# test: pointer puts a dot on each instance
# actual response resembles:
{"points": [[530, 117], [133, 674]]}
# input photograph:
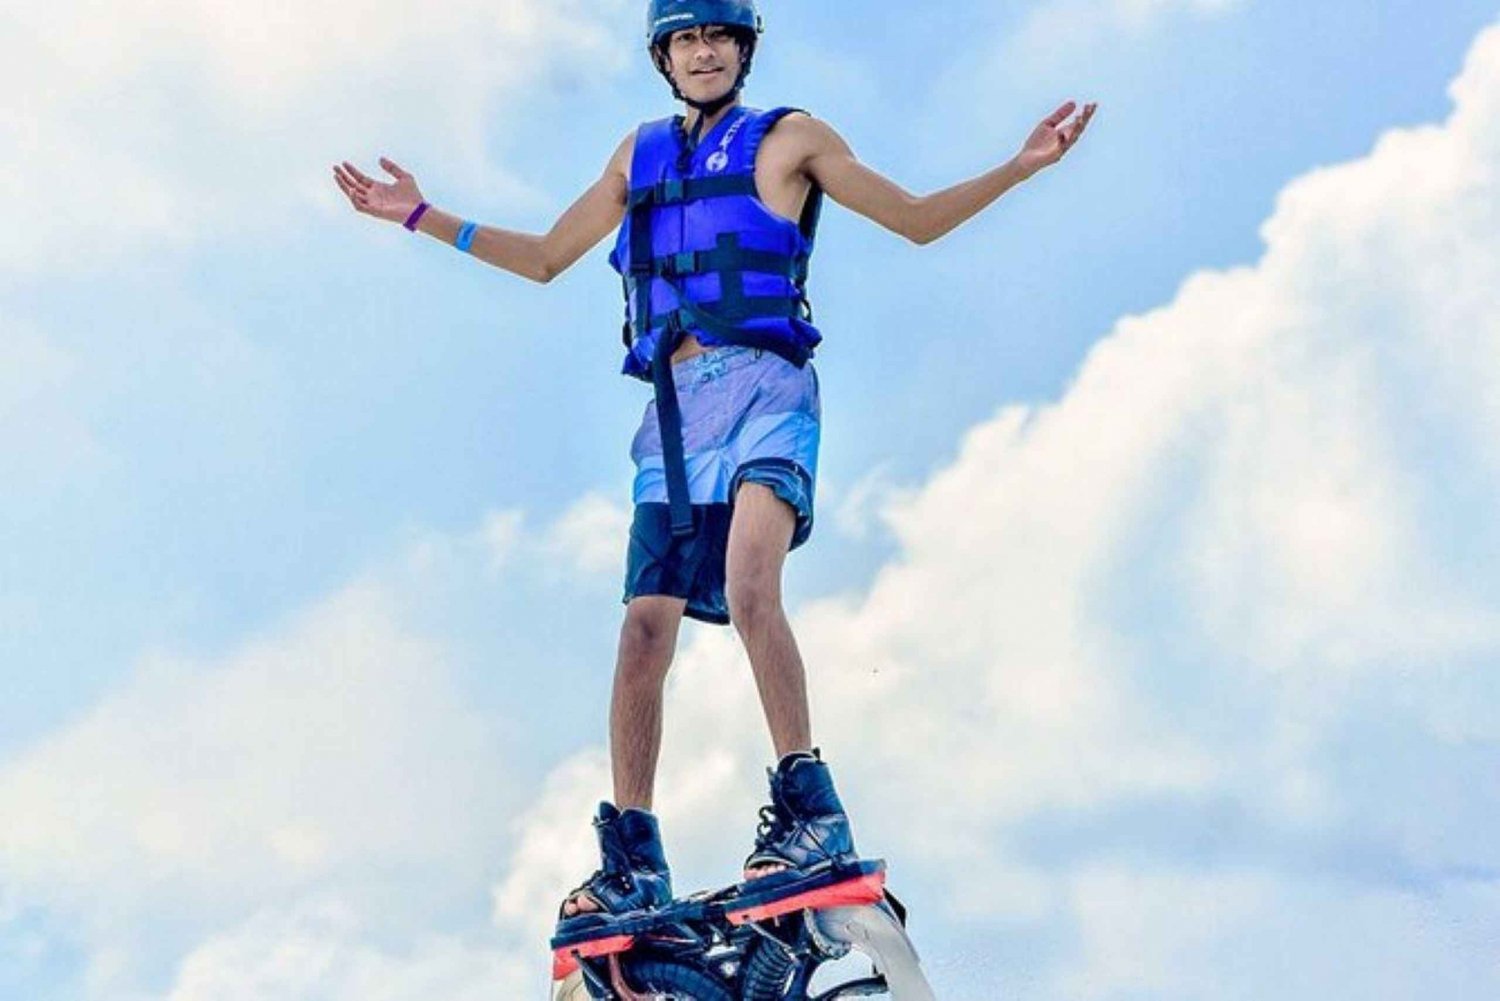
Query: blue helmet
{"points": [[666, 16]]}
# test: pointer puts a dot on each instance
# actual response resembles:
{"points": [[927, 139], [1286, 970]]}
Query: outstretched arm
{"points": [[541, 258], [924, 218]]}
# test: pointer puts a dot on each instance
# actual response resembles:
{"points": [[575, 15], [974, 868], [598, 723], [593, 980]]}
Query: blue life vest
{"points": [[699, 253]]}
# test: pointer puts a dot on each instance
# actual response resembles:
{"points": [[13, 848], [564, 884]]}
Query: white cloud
{"points": [[161, 125], [325, 951], [1220, 570], [590, 536], [1138, 11], [1066, 27], [1246, 935], [554, 846], [501, 532], [584, 542], [856, 510], [335, 753], [45, 439]]}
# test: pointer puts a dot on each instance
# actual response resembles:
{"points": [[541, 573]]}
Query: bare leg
{"points": [[759, 536], [648, 639]]}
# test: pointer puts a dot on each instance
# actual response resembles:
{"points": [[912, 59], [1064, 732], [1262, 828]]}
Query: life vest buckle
{"points": [[680, 264], [670, 190]]}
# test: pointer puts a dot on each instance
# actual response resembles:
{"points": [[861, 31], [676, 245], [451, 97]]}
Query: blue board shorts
{"points": [[748, 415]]}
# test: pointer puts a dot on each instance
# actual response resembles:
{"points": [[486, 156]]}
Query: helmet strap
{"points": [[707, 109]]}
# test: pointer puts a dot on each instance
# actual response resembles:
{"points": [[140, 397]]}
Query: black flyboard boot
{"points": [[634, 877], [804, 828], [805, 825]]}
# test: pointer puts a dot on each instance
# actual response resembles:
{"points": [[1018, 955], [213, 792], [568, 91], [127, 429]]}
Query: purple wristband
{"points": [[416, 214]]}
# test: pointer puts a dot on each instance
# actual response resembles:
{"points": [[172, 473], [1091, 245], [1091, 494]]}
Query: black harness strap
{"points": [[758, 307], [669, 421], [677, 190], [726, 258]]}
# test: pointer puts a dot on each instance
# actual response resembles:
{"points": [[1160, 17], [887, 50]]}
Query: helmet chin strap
{"points": [[707, 108]]}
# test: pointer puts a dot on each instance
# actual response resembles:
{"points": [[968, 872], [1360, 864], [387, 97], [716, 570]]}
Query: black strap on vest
{"points": [[730, 261], [679, 190]]}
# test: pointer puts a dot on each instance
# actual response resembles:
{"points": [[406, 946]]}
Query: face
{"points": [[705, 61]]}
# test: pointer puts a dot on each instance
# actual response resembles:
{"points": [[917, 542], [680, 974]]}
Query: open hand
{"points": [[1051, 139], [394, 201]]}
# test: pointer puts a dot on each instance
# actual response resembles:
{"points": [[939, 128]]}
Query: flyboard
{"points": [[761, 940]]}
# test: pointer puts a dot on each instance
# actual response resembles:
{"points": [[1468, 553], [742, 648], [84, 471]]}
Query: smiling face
{"points": [[704, 62]]}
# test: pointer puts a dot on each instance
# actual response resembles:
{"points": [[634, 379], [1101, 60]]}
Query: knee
{"points": [[646, 646], [753, 601]]}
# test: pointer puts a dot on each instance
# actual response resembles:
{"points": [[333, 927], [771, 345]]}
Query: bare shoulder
{"points": [[801, 136], [619, 163]]}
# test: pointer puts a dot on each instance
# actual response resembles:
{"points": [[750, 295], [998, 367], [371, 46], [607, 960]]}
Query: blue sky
{"points": [[1161, 490]]}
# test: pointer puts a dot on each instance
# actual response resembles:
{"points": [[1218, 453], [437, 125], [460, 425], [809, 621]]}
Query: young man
{"points": [[716, 211]]}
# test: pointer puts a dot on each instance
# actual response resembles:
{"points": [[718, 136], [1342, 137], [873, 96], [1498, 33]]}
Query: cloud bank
{"points": [[106, 139], [1186, 679]]}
